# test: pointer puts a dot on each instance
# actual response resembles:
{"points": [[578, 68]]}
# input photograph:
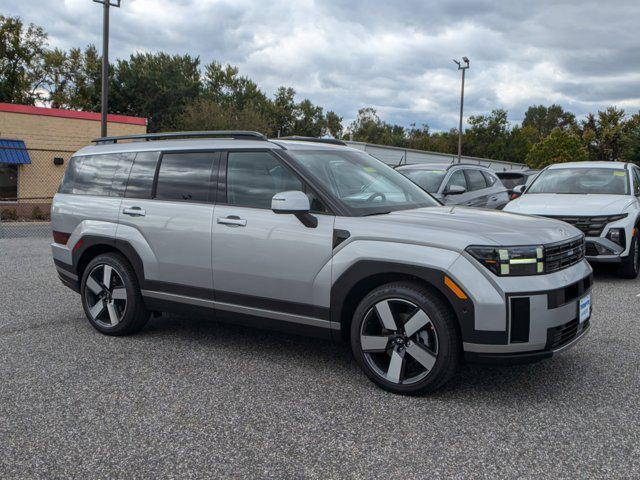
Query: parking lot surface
{"points": [[191, 398]]}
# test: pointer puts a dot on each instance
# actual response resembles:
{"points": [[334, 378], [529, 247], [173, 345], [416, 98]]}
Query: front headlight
{"points": [[510, 261]]}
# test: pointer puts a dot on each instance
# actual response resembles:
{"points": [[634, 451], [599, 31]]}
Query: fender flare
{"points": [[122, 246]]}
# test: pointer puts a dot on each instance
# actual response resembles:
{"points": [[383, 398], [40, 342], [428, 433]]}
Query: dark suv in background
{"points": [[459, 184]]}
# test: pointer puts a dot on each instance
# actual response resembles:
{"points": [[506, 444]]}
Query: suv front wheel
{"points": [[405, 339], [630, 266], [111, 296]]}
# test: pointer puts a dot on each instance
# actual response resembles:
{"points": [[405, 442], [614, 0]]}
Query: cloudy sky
{"points": [[394, 56]]}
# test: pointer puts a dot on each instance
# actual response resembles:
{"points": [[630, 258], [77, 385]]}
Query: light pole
{"points": [[105, 62], [463, 68]]}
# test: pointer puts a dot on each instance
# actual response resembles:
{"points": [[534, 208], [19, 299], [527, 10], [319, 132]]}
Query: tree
{"points": [[22, 50], [206, 114], [602, 134], [333, 124], [544, 119], [283, 111], [487, 136], [521, 140], [558, 147], [309, 120], [367, 127], [158, 86], [630, 141]]}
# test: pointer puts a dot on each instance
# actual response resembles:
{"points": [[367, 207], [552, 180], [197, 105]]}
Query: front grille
{"points": [[590, 226], [559, 256], [559, 336], [591, 250]]}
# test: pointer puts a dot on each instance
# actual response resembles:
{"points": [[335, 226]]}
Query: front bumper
{"points": [[513, 318], [603, 250], [531, 357]]}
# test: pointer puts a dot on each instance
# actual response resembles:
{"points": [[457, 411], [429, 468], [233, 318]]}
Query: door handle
{"points": [[232, 220], [134, 211]]}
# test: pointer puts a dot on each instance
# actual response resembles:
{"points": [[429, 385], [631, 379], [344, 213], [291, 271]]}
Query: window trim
{"points": [[213, 183], [221, 198]]}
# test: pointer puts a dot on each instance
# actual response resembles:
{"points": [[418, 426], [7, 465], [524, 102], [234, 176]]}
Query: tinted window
{"points": [[428, 180], [636, 181], [490, 179], [457, 179], [475, 180], [8, 181], [142, 173], [93, 174], [185, 177], [253, 178]]}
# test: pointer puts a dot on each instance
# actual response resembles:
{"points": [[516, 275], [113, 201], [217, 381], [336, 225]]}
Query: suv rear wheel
{"points": [[111, 296], [631, 264], [405, 338]]}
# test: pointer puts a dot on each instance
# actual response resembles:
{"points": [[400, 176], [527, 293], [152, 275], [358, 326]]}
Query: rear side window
{"points": [[185, 177], [475, 180], [490, 179], [143, 172], [94, 174], [253, 178]]}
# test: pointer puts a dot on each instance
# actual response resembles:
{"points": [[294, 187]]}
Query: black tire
{"points": [[122, 296], [440, 331], [631, 264]]}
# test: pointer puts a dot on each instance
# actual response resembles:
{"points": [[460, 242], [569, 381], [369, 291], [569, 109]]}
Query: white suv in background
{"points": [[599, 198]]}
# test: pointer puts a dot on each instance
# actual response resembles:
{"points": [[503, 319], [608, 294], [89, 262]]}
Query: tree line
{"points": [[176, 92]]}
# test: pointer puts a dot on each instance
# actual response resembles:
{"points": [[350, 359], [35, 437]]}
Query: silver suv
{"points": [[317, 238]]}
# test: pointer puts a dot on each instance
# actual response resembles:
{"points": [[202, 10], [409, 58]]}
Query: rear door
{"points": [[497, 194], [264, 263], [477, 188], [166, 216]]}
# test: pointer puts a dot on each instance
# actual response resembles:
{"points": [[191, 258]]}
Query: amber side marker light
{"points": [[454, 288], [61, 237]]}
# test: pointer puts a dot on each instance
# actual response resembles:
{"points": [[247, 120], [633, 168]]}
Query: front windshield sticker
{"points": [[619, 174]]}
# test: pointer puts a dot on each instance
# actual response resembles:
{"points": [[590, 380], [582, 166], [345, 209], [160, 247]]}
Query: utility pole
{"points": [[463, 68], [105, 62]]}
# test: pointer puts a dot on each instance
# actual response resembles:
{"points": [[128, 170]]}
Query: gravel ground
{"points": [[190, 398]]}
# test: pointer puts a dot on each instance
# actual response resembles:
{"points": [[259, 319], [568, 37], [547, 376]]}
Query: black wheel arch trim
{"points": [[361, 270], [125, 248]]}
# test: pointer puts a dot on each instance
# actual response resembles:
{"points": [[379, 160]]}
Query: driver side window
{"points": [[458, 179]]}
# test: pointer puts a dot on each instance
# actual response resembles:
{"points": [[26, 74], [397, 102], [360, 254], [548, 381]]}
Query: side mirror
{"points": [[455, 190], [519, 189], [294, 202]]}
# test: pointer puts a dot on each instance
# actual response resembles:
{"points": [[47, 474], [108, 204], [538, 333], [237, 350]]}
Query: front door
{"points": [[268, 264]]}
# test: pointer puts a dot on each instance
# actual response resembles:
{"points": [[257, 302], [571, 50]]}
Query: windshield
{"points": [[582, 181], [365, 185], [428, 180]]}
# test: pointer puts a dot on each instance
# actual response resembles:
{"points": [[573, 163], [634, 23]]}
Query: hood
{"points": [[567, 204], [458, 227]]}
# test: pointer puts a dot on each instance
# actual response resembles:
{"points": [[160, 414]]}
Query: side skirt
{"points": [[239, 314]]}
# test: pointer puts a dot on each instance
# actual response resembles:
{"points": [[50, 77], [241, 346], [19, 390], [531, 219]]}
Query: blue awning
{"points": [[14, 151]]}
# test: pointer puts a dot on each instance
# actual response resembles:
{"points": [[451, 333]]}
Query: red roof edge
{"points": [[78, 115]]}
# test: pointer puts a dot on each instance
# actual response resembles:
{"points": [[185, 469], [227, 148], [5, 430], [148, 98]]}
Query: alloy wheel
{"points": [[399, 341], [105, 295]]}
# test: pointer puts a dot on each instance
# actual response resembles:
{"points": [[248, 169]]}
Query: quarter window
{"points": [[475, 179], [93, 174], [253, 178], [185, 177], [8, 182]]}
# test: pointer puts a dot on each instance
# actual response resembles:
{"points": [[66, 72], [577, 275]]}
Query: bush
{"points": [[38, 214], [8, 214], [558, 147]]}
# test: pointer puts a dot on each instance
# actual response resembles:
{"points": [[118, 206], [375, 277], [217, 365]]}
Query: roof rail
{"points": [[332, 141], [238, 134]]}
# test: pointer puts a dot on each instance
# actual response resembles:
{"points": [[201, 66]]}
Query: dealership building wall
{"points": [[47, 134]]}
